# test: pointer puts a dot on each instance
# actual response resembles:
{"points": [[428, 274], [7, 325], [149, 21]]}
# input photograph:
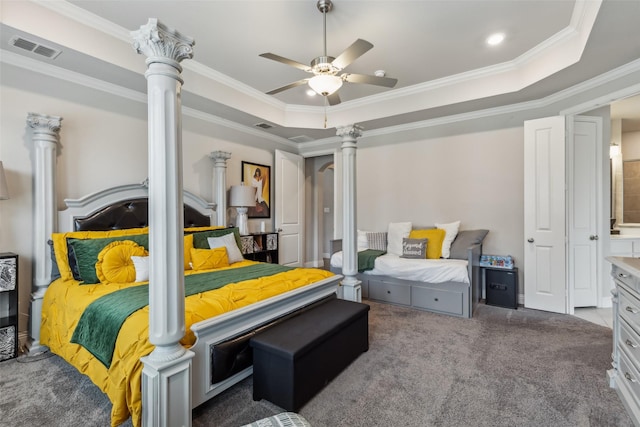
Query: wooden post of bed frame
{"points": [[220, 185], [45, 143], [351, 289], [166, 375]]}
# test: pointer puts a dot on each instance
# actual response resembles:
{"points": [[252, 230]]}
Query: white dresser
{"points": [[625, 374]]}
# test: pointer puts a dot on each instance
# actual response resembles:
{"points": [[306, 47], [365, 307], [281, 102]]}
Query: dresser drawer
{"points": [[390, 292], [437, 300], [629, 309], [625, 278], [629, 377], [629, 340]]}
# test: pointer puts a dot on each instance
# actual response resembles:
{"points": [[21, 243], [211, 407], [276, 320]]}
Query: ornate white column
{"points": [[220, 184], [45, 142], [352, 290], [166, 376]]}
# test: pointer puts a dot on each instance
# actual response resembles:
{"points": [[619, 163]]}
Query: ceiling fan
{"points": [[326, 69]]}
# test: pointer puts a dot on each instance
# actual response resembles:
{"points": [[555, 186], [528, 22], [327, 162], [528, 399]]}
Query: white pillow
{"points": [[451, 231], [229, 242], [363, 242], [141, 264], [396, 232]]}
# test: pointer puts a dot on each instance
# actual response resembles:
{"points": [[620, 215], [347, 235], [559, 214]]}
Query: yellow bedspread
{"points": [[65, 301]]}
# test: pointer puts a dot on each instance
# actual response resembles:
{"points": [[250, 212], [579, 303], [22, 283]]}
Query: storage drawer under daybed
{"points": [[451, 298]]}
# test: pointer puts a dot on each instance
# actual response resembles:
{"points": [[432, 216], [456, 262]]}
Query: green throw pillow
{"points": [[200, 238]]}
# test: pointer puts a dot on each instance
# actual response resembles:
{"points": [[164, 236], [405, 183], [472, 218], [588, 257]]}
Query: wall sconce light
{"points": [[4, 190], [241, 197]]}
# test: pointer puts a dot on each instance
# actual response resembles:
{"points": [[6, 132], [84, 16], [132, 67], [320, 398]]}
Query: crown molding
{"points": [[565, 47], [583, 87], [50, 70]]}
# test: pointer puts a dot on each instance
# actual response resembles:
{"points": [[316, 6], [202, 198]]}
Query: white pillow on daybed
{"points": [[362, 242], [396, 232], [451, 231]]}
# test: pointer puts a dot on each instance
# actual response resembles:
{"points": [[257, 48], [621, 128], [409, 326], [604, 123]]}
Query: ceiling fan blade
{"points": [[372, 80], [286, 61], [334, 99], [289, 86], [350, 54]]}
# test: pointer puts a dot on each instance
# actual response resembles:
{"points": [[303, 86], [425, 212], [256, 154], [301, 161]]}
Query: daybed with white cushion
{"points": [[450, 285]]}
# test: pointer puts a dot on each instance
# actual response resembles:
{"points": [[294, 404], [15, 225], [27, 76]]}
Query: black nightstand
{"points": [[501, 286], [260, 247], [8, 306]]}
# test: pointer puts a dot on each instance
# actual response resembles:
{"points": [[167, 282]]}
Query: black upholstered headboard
{"points": [[131, 213]]}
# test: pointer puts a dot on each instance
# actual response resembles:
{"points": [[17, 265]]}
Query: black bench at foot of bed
{"points": [[295, 359]]}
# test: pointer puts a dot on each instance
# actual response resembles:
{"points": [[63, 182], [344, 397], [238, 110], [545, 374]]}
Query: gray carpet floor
{"points": [[502, 368]]}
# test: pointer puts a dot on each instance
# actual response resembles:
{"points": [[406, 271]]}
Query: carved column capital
{"points": [[220, 156], [350, 132], [43, 122], [156, 41]]}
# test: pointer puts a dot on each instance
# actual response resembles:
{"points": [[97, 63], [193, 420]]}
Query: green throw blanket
{"points": [[367, 259], [100, 323]]}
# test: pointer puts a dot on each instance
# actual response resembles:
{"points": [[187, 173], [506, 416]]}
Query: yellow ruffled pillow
{"points": [[207, 259], [434, 236], [114, 262]]}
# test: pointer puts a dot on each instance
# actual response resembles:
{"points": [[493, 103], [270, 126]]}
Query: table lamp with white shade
{"points": [[242, 197]]}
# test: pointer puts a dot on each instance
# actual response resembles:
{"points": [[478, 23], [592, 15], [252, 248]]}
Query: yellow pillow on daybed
{"points": [[115, 264], [434, 236], [207, 259]]}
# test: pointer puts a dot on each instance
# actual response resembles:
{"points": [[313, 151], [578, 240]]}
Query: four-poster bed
{"points": [[125, 205], [175, 376]]}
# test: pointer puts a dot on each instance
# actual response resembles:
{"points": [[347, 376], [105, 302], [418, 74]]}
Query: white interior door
{"points": [[544, 215], [289, 213], [584, 182]]}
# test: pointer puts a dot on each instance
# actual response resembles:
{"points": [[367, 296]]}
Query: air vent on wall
{"points": [[264, 125], [34, 47]]}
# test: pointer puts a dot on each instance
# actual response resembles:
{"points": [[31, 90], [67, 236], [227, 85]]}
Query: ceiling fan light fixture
{"points": [[325, 84]]}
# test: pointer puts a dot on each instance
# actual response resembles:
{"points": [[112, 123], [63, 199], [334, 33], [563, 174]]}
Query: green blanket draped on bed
{"points": [[100, 323], [367, 259]]}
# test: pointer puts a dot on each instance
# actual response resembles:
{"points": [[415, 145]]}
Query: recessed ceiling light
{"points": [[311, 92], [495, 39]]}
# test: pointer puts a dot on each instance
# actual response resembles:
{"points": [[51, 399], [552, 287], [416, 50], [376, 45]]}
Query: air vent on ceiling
{"points": [[301, 138], [34, 47], [264, 125]]}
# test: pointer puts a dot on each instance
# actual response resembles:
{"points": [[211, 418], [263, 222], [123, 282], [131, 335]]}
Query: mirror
{"points": [[625, 162]]}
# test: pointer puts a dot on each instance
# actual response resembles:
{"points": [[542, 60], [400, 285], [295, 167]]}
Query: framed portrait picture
{"points": [[258, 176]]}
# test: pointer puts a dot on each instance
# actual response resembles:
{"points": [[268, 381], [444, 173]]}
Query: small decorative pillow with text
{"points": [[208, 259], [114, 262], [414, 248]]}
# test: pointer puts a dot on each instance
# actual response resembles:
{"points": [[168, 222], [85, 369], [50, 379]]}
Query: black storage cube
{"points": [[501, 287], [295, 359]]}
